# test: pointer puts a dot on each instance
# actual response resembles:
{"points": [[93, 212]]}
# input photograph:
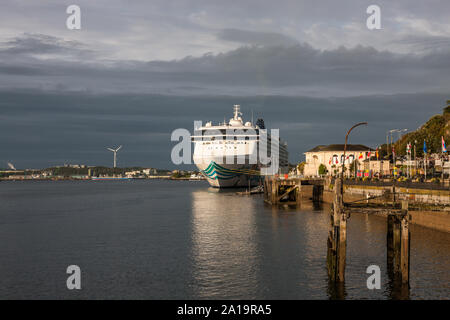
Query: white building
{"points": [[332, 157], [382, 167], [130, 174]]}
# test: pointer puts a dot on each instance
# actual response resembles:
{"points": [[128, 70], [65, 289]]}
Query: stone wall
{"points": [[433, 197], [437, 219]]}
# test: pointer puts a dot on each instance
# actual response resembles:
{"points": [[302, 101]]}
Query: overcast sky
{"points": [[243, 49]]}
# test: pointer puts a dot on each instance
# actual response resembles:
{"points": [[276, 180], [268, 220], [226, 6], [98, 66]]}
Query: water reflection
{"points": [[243, 248], [223, 244], [179, 240], [397, 290], [336, 290]]}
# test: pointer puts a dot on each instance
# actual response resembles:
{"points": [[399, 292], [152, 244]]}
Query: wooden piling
{"points": [[405, 241], [397, 246], [275, 186], [298, 194], [342, 252], [337, 238], [317, 195], [390, 242], [398, 243], [404, 254], [282, 191]]}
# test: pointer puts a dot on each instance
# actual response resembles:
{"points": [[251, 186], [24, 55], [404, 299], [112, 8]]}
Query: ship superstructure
{"points": [[237, 153]]}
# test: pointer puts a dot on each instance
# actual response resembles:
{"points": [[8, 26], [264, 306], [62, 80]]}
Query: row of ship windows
{"points": [[238, 142], [224, 131], [234, 138], [209, 148]]}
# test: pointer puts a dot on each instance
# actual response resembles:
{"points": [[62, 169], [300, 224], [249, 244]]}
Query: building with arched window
{"points": [[332, 157]]}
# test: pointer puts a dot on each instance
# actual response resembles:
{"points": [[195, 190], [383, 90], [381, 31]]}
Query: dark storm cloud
{"points": [[138, 70], [30, 44], [293, 70], [42, 129]]}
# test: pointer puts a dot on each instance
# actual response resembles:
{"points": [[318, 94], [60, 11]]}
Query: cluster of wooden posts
{"points": [[286, 191], [398, 237], [289, 191]]}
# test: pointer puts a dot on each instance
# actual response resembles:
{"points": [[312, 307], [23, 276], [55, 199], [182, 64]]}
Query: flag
{"points": [[444, 148], [360, 156], [376, 152], [368, 155], [393, 151], [424, 147], [329, 162]]}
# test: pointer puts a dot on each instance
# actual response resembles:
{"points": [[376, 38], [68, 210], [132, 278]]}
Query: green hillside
{"points": [[432, 131]]}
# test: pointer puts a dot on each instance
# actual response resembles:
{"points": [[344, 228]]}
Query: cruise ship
{"points": [[238, 153]]}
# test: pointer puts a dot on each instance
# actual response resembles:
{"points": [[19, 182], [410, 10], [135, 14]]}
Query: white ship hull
{"points": [[229, 175]]}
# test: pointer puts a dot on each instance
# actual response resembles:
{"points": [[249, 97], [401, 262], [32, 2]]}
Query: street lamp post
{"points": [[399, 131], [389, 134], [387, 143], [399, 137], [415, 159], [345, 145]]}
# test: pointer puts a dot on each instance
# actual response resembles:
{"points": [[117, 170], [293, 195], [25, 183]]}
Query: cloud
{"points": [[425, 44], [136, 71], [39, 44], [50, 63], [43, 129], [256, 38], [160, 30]]}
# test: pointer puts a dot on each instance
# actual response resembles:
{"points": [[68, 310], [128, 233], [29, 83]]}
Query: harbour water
{"points": [[146, 239]]}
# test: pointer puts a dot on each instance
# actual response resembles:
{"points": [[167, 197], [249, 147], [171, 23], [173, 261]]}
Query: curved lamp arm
{"points": [[345, 145]]}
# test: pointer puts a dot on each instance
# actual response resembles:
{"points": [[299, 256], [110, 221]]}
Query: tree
{"points": [[301, 167], [354, 167], [447, 110], [322, 170], [430, 132]]}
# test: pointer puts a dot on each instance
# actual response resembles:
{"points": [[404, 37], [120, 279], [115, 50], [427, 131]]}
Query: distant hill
{"points": [[432, 131]]}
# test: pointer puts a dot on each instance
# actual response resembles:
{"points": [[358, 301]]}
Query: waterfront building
{"points": [[332, 157], [132, 173], [147, 171], [377, 167]]}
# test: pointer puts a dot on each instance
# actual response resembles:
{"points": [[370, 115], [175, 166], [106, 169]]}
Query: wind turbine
{"points": [[115, 153], [11, 166]]}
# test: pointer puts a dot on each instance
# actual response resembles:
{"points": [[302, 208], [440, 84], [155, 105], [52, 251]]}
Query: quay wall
{"points": [[424, 196], [437, 220], [433, 205]]}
